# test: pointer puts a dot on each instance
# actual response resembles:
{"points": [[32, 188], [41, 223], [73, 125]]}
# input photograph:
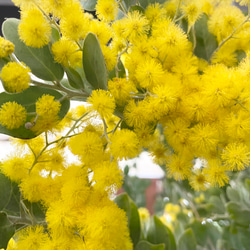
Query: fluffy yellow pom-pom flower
{"points": [[236, 156], [48, 107], [108, 230], [102, 102], [15, 77], [12, 115], [107, 10], [34, 29], [6, 47], [66, 52], [124, 143]]}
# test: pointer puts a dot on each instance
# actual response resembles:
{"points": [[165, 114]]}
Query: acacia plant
{"points": [[140, 67]]}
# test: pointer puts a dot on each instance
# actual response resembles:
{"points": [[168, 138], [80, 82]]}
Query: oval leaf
{"points": [[74, 78], [94, 63], [145, 245], [6, 230], [233, 194], [187, 240], [28, 99], [39, 60], [5, 191], [124, 202], [206, 42], [89, 5], [159, 233]]}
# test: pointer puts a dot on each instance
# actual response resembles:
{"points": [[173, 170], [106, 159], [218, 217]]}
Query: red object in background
{"points": [[151, 192]]}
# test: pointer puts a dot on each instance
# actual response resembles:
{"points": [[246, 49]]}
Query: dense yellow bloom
{"points": [[136, 114], [204, 138], [67, 53], [237, 126], [226, 55], [87, 145], [108, 177], [120, 88], [31, 238], [154, 13], [34, 29], [170, 38], [102, 31], [149, 73], [170, 8], [224, 20], [25, 4], [60, 218], [47, 107], [33, 187], [15, 77], [159, 152], [16, 167], [179, 167], [108, 230], [107, 10], [124, 143], [219, 87], [236, 156], [192, 11], [177, 133], [12, 115], [74, 25], [58, 7], [137, 25], [6, 47], [75, 192], [102, 102], [215, 173], [198, 181]]}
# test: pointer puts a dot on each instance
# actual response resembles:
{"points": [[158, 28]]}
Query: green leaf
{"points": [[74, 78], [187, 240], [39, 60], [233, 194], [6, 230], [89, 5], [145, 245], [121, 71], [94, 63], [5, 191], [124, 202], [159, 233], [36, 209], [145, 3], [205, 41], [28, 99], [241, 54], [55, 34], [13, 206], [3, 61], [137, 8], [239, 214], [217, 205], [205, 232]]}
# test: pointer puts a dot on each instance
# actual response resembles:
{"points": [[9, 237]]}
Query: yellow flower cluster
{"points": [[169, 101]]}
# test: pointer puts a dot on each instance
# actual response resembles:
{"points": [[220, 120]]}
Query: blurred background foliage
{"points": [[217, 218]]}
